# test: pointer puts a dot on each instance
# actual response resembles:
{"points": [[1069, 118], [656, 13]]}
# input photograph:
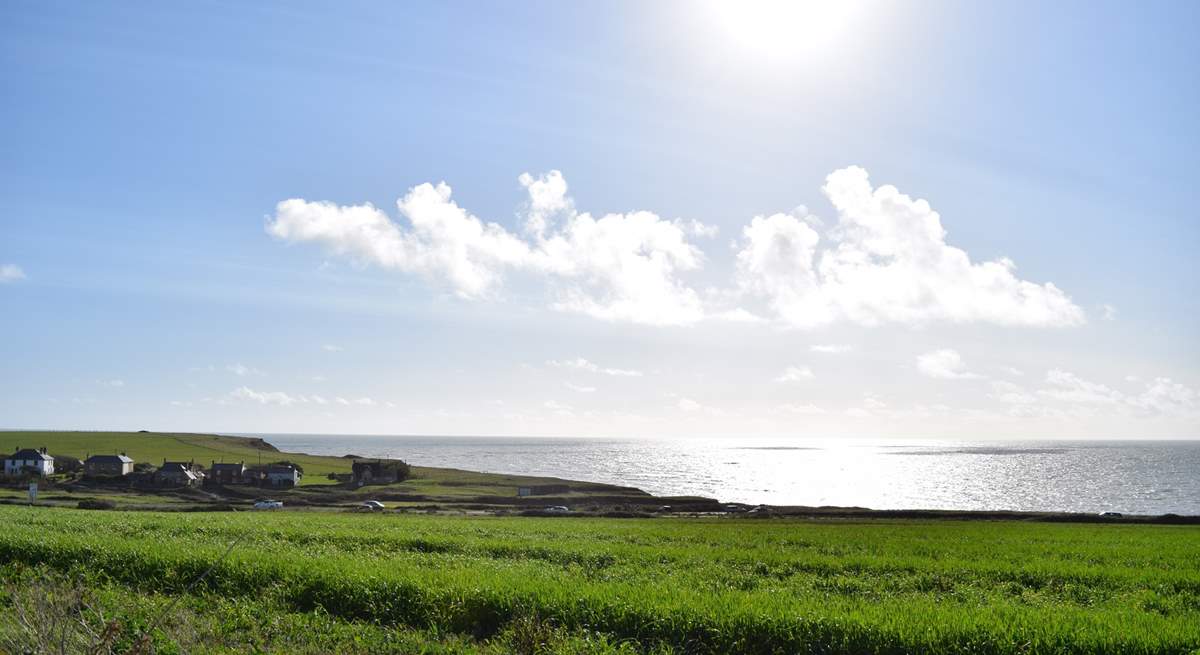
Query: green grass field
{"points": [[458, 584]]}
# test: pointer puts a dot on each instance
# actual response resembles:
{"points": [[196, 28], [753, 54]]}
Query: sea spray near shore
{"points": [[1155, 477]]}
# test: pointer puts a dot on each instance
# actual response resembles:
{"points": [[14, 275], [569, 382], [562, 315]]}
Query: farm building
{"points": [[283, 475], [222, 473], [107, 466], [378, 472], [28, 460], [183, 474]]}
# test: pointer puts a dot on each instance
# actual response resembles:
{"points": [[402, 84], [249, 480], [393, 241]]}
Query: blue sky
{"points": [[150, 277]]}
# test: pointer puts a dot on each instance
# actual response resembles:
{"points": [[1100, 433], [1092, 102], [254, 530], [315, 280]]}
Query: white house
{"points": [[28, 460], [283, 475]]}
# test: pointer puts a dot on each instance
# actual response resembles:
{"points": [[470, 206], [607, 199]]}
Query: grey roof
{"points": [[30, 453], [109, 459], [178, 467], [219, 466]]}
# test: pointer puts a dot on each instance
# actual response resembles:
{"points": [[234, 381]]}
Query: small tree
{"points": [[403, 470]]}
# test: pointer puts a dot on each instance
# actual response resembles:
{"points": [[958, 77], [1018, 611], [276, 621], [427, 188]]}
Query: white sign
{"points": [[32, 491]]}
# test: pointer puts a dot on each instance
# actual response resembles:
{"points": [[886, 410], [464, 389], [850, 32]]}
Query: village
{"points": [[30, 464], [204, 472]]}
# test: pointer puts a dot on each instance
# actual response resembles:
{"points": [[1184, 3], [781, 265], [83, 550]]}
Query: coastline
{"points": [[441, 489]]}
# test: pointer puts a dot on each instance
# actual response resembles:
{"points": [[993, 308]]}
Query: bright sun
{"points": [[786, 29]]}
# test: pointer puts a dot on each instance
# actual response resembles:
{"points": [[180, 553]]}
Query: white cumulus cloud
{"points": [[621, 267], [944, 364], [886, 261]]}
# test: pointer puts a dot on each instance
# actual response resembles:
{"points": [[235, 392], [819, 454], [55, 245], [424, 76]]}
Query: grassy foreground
{"points": [[458, 584]]}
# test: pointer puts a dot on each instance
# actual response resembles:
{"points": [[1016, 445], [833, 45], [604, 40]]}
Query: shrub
{"points": [[67, 464], [96, 503]]}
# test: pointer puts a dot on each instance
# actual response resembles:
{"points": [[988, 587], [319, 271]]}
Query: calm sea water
{"points": [[1080, 476]]}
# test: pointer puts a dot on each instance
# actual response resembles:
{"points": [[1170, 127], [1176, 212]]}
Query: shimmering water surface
{"points": [[1086, 476]]}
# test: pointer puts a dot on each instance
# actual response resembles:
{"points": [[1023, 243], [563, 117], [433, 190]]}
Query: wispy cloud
{"points": [[802, 410], [582, 364], [795, 374], [831, 348], [11, 273], [331, 348], [265, 397], [242, 370], [944, 364], [581, 388]]}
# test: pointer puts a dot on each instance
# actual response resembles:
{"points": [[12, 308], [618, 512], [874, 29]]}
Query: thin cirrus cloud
{"points": [[886, 260]]}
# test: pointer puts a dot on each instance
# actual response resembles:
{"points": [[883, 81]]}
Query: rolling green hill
{"points": [[154, 447]]}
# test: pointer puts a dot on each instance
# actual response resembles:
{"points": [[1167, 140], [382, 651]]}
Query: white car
{"points": [[373, 505], [268, 504], [558, 509]]}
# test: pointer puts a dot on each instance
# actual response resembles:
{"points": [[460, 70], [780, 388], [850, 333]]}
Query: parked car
{"points": [[268, 504], [372, 505], [1112, 515], [558, 509]]}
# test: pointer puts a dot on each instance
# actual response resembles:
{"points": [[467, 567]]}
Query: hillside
{"points": [[426, 487]]}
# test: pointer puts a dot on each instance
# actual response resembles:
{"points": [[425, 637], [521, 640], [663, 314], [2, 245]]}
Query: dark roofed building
{"points": [[379, 471], [105, 466], [29, 460], [222, 473], [183, 474]]}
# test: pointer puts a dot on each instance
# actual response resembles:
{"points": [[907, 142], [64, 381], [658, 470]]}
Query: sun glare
{"points": [[783, 30]]}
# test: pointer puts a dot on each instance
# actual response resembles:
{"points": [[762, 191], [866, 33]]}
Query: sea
{"points": [[1136, 477]]}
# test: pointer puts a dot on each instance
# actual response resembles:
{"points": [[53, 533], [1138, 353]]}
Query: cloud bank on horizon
{"points": [[885, 260]]}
